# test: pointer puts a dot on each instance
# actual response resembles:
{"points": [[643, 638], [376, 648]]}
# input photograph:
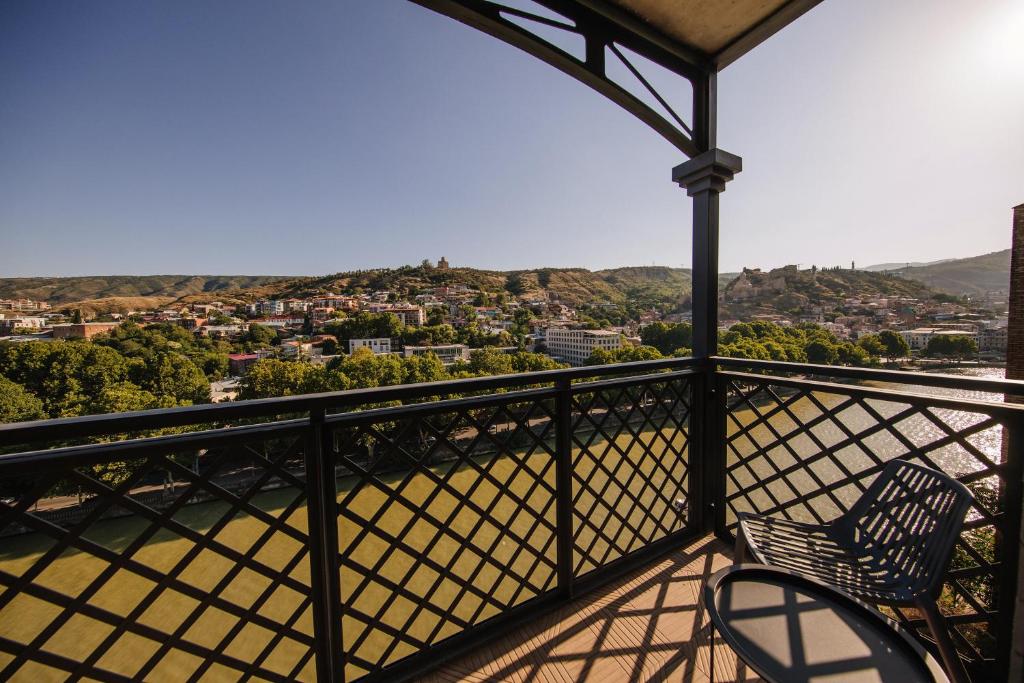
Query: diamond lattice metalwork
{"points": [[164, 565], [807, 454], [446, 518], [630, 465]]}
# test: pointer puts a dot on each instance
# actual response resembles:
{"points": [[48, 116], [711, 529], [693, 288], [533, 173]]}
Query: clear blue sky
{"points": [[306, 138]]}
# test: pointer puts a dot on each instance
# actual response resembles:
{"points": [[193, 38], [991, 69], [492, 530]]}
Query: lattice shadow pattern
{"points": [[630, 446], [446, 518], [167, 565], [807, 455]]}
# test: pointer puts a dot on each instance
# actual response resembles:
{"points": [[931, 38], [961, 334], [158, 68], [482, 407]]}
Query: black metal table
{"points": [[791, 628]]}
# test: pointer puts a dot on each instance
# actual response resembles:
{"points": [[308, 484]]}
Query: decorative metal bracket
{"points": [[599, 32]]}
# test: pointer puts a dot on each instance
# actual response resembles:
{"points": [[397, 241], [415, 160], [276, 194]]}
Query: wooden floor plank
{"points": [[648, 626]]}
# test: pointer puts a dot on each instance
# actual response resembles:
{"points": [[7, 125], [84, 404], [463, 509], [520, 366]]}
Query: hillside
{"points": [[640, 286], [967, 276], [791, 291], [60, 291], [573, 286]]}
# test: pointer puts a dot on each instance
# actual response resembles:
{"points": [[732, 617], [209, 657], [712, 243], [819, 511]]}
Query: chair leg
{"points": [[740, 554], [951, 660]]}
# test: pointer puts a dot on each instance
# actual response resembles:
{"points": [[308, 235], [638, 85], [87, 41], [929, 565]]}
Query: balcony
{"points": [[540, 526]]}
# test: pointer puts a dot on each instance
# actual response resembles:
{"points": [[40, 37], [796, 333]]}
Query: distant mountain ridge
{"points": [[62, 290], [640, 286], [973, 276]]}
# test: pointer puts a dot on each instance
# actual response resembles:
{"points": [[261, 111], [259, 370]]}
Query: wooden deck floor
{"points": [[648, 626]]}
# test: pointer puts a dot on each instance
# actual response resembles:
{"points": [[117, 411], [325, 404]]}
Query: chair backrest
{"points": [[908, 522]]}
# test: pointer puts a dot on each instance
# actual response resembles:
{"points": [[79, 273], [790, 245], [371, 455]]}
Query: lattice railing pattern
{"points": [[629, 466], [446, 518], [163, 565], [807, 455]]}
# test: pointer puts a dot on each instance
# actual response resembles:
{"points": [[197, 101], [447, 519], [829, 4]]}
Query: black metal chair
{"points": [[891, 548]]}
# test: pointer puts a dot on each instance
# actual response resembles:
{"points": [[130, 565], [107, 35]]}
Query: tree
{"points": [[259, 336], [176, 376], [364, 325], [821, 352], [951, 346], [436, 316], [17, 404], [623, 354], [270, 377], [872, 345], [667, 338], [490, 361], [895, 345]]}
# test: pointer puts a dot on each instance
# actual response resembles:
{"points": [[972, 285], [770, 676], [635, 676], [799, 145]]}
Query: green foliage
{"points": [[270, 377], [79, 377], [624, 354], [895, 345], [951, 346], [259, 336], [804, 343], [17, 404], [147, 343], [364, 325], [872, 345], [430, 335], [667, 338]]}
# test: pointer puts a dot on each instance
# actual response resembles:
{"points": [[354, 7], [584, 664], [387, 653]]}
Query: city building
{"points": [[81, 330], [918, 338], [9, 325], [412, 316], [23, 305], [239, 363], [575, 346], [993, 339], [378, 346], [448, 353]]}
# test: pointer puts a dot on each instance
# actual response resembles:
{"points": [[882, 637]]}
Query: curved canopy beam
{"points": [[598, 34]]}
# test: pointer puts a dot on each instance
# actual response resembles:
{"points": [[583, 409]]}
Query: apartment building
{"points": [[378, 346], [412, 316], [918, 338], [575, 346]]}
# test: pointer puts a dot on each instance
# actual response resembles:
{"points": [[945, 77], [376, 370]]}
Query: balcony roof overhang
{"points": [[715, 33], [694, 39]]}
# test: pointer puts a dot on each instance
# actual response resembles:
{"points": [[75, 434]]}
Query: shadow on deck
{"points": [[647, 626]]}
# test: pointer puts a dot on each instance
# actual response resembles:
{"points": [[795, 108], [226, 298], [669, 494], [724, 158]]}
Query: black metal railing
{"points": [[369, 534], [356, 535], [807, 446]]}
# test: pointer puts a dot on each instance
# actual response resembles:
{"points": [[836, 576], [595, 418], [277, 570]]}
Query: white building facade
{"points": [[378, 346], [575, 346]]}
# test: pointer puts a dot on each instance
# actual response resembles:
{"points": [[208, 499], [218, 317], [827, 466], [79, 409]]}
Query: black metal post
{"points": [[563, 486], [704, 178], [325, 583]]}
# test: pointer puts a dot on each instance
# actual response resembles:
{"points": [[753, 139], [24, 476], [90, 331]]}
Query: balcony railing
{"points": [[370, 534]]}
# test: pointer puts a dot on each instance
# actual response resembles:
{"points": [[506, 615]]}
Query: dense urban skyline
{"points": [[190, 138]]}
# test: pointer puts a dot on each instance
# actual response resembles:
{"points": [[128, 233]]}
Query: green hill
{"points": [[967, 276], [59, 291]]}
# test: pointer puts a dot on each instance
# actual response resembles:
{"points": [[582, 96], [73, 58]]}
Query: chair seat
{"points": [[818, 551]]}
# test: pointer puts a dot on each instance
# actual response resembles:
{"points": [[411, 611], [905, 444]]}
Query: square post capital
{"points": [[708, 171]]}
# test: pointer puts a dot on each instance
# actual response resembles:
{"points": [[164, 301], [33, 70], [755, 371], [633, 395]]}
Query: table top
{"points": [[792, 628]]}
